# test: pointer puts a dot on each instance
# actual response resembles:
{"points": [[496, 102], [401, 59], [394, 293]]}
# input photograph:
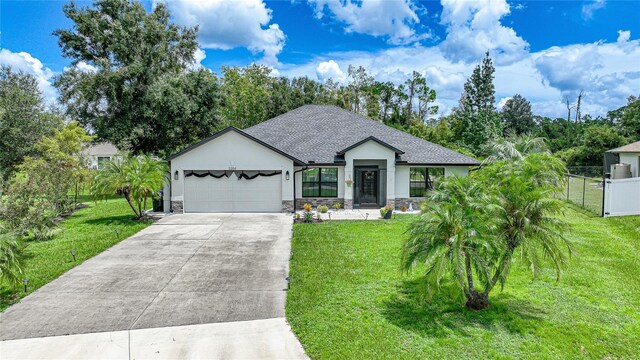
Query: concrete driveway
{"points": [[184, 271]]}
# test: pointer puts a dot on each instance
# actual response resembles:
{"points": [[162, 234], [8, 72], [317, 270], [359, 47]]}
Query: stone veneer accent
{"points": [[287, 206], [405, 202], [348, 204], [391, 202], [318, 201], [177, 207]]}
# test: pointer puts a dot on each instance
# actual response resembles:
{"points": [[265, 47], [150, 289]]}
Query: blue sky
{"points": [[543, 50]]}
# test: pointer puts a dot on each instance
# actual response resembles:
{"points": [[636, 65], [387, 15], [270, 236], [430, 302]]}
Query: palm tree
{"points": [[10, 258], [528, 219], [136, 178], [452, 237], [474, 227], [516, 147]]}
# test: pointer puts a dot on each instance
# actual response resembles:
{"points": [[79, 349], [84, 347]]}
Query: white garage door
{"points": [[230, 194]]}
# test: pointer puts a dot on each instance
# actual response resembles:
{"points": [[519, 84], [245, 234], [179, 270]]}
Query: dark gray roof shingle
{"points": [[317, 132]]}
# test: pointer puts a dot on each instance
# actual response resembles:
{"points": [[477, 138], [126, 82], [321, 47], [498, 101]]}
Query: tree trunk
{"points": [[477, 301], [128, 197]]}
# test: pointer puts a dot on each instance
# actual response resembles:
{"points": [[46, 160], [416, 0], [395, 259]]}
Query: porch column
{"points": [[391, 183], [348, 189]]}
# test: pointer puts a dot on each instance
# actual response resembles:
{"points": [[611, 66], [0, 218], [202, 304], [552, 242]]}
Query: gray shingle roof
{"points": [[315, 133]]}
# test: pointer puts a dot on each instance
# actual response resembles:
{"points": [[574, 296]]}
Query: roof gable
{"points": [[370, 138], [238, 131]]}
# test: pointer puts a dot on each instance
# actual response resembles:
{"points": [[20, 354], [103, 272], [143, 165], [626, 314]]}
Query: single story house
{"points": [[629, 154], [99, 153], [317, 154]]}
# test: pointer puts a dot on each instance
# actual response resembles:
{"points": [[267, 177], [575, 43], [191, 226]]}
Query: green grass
{"points": [[586, 193], [349, 300], [90, 231]]}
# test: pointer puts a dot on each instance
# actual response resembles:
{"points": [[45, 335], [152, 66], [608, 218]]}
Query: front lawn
{"points": [[349, 300], [89, 231]]}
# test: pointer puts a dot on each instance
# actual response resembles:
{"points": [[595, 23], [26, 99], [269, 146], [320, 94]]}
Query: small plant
{"points": [[386, 211], [336, 206], [308, 216], [403, 208], [323, 209], [307, 207], [297, 216]]}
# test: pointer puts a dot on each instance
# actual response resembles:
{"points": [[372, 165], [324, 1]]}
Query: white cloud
{"points": [[27, 63], [503, 102], [198, 56], [624, 35], [589, 8], [392, 19], [330, 70], [82, 66], [473, 27], [607, 72], [228, 24]]}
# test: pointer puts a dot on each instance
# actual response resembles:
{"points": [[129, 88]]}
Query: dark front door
{"points": [[367, 187]]}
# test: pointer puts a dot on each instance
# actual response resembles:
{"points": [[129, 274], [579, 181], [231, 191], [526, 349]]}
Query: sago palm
{"points": [[452, 237], [528, 215], [10, 258], [516, 147], [136, 178]]}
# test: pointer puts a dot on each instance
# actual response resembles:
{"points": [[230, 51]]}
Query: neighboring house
{"points": [[99, 153], [629, 154], [322, 154], [622, 190]]}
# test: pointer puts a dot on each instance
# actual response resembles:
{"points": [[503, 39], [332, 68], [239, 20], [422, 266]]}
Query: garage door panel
{"points": [[208, 194]]}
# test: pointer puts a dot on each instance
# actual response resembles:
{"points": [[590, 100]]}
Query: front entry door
{"points": [[367, 187]]}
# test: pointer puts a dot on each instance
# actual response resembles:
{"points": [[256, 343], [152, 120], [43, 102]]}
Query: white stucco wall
{"points": [[371, 150], [403, 172], [634, 160], [230, 150]]}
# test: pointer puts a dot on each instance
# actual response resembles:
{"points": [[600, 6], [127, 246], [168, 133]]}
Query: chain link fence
{"points": [[586, 192]]}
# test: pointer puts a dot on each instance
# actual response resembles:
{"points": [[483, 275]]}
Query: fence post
{"points": [[584, 189]]}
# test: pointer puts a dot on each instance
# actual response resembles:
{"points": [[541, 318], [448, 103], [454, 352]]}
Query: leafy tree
{"points": [[246, 95], [628, 118], [23, 118], [517, 116], [136, 178], [480, 123], [58, 165], [140, 68], [596, 140]]}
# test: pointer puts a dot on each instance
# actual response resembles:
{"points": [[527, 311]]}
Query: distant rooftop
{"points": [[629, 148], [103, 148]]}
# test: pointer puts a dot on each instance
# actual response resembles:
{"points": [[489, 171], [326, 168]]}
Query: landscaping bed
{"points": [[89, 231], [349, 300]]}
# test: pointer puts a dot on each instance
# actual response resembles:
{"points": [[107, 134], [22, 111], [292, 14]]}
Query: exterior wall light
{"points": [[176, 175], [287, 175]]}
